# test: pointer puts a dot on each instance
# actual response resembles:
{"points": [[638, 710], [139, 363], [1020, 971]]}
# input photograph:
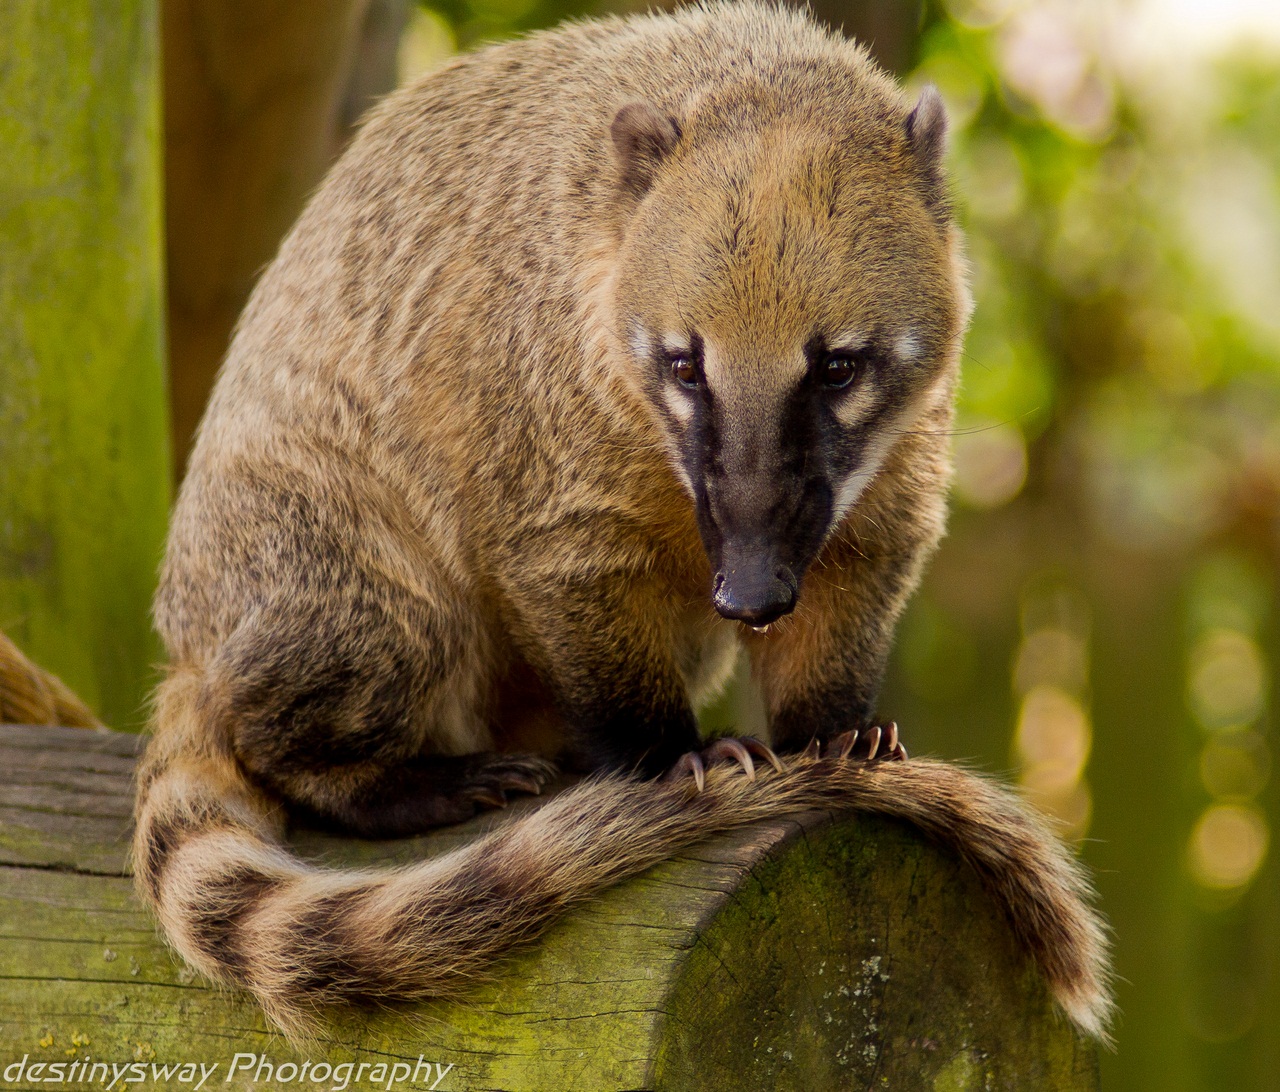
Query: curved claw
{"points": [[876, 743], [891, 748], [870, 744], [734, 749], [522, 783], [690, 763], [490, 796], [812, 751], [841, 746], [763, 750]]}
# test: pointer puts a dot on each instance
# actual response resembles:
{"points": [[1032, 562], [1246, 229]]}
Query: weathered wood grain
{"points": [[805, 955]]}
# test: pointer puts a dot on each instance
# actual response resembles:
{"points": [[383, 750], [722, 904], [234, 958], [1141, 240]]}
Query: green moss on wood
{"points": [[805, 954], [862, 957]]}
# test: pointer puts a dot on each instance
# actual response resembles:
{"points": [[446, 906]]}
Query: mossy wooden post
{"points": [[84, 465], [806, 955]]}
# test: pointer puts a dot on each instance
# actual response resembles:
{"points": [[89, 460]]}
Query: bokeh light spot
{"points": [[1228, 846], [1053, 739], [991, 465], [1227, 679]]}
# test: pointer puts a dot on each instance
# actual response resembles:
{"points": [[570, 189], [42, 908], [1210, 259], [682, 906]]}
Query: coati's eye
{"points": [[684, 366], [838, 370]]}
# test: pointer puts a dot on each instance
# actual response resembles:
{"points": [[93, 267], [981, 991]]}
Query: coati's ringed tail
{"points": [[241, 909]]}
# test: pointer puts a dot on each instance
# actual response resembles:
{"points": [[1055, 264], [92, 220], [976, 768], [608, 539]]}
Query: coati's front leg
{"points": [[604, 647], [821, 668]]}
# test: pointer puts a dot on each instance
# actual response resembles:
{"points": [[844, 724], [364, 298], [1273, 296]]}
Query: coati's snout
{"points": [[761, 498], [758, 449], [752, 588]]}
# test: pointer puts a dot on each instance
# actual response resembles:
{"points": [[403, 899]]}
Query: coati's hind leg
{"points": [[344, 712], [354, 683]]}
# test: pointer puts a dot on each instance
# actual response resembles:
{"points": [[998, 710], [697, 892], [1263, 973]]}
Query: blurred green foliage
{"points": [[1119, 445], [477, 21], [1101, 622]]}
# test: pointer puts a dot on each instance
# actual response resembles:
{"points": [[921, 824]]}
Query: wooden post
{"points": [[805, 955], [84, 465]]}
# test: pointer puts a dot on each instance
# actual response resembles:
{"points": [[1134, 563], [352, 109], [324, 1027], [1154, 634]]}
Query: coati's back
{"points": [[592, 348], [444, 287]]}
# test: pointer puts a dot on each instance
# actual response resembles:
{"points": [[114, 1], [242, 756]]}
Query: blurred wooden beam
{"points": [[84, 467], [260, 97]]}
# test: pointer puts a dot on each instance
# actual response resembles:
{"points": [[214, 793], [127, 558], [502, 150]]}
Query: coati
{"points": [[599, 355]]}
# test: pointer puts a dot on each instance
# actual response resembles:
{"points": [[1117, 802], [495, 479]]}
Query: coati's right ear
{"points": [[926, 129], [643, 137]]}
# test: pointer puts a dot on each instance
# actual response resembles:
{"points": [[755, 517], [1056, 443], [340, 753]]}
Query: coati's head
{"points": [[789, 298]]}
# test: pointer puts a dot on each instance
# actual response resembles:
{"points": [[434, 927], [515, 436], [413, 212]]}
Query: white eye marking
{"points": [[879, 447], [848, 341], [676, 345], [640, 342], [858, 403], [678, 402], [908, 347]]}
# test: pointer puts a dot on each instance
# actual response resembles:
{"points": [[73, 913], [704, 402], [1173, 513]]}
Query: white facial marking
{"points": [[680, 406], [713, 369], [678, 402], [879, 447], [907, 347], [640, 343], [857, 404], [852, 487], [849, 340], [675, 344], [682, 475], [678, 398]]}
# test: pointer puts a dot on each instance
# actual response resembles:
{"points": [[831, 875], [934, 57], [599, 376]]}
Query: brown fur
{"points": [[437, 514]]}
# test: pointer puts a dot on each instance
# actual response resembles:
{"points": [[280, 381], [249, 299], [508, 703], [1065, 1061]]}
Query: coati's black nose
{"points": [[754, 594]]}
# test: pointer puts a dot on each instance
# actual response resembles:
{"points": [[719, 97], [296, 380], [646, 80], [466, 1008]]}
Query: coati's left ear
{"points": [[926, 128], [643, 137]]}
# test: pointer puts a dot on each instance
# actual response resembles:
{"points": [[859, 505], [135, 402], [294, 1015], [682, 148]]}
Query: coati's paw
{"points": [[492, 776], [877, 743], [739, 749]]}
